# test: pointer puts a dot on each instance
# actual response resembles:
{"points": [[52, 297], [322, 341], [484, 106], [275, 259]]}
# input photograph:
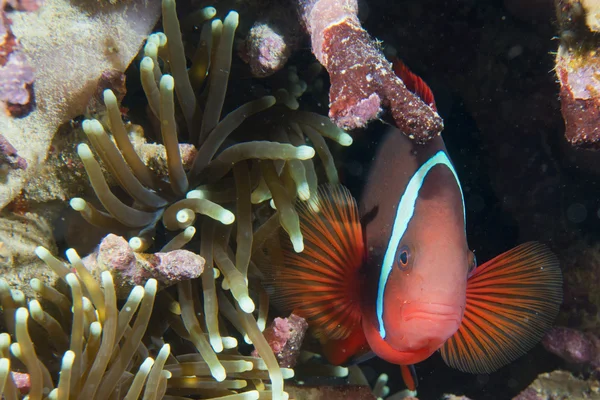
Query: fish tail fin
{"points": [[512, 300], [322, 283]]}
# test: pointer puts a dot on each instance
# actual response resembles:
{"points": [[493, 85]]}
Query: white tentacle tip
{"points": [[305, 152], [297, 243], [246, 304], [345, 139], [219, 373], [227, 217]]}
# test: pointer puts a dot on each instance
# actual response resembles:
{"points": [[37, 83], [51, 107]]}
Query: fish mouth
{"points": [[435, 312], [426, 326]]}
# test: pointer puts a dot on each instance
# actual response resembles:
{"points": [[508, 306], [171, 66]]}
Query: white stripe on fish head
{"points": [[404, 213]]}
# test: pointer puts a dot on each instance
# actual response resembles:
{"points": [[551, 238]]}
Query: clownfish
{"points": [[394, 276]]}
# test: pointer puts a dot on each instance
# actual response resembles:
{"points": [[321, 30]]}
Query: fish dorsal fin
{"points": [[413, 82], [322, 283], [512, 300]]}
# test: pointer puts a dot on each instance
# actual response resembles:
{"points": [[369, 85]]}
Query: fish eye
{"points": [[403, 257]]}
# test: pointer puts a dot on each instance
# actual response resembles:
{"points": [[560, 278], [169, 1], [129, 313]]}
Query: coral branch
{"points": [[131, 268], [285, 336], [362, 80]]}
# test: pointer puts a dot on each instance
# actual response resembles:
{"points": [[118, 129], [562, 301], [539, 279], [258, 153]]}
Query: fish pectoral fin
{"points": [[512, 300], [322, 283], [409, 375]]}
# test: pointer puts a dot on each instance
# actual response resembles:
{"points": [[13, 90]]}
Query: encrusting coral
{"points": [[362, 80], [577, 68], [255, 157], [85, 41]]}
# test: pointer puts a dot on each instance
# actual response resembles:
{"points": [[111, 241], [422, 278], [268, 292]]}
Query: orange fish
{"points": [[397, 278]]}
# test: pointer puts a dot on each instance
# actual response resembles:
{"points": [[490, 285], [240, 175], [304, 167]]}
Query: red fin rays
{"points": [[413, 82], [512, 300], [322, 283]]}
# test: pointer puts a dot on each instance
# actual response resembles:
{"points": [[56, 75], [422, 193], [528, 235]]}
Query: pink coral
{"points": [[22, 381], [285, 336], [362, 80], [131, 268]]}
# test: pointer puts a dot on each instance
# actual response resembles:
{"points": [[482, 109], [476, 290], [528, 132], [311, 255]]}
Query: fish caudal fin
{"points": [[512, 300], [322, 283]]}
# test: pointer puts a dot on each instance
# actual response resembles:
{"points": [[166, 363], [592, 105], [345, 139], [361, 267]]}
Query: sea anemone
{"points": [[153, 198], [103, 355], [281, 170], [255, 157]]}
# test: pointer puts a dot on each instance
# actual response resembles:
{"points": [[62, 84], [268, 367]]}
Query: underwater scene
{"points": [[299, 199]]}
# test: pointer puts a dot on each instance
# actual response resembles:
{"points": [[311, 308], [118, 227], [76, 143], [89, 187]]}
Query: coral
{"points": [[22, 381], [573, 346], [8, 41], [271, 39], [70, 48], [133, 268], [577, 68], [265, 50], [560, 385], [362, 80], [9, 156], [285, 336], [69, 53], [16, 85], [22, 5], [16, 75]]}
